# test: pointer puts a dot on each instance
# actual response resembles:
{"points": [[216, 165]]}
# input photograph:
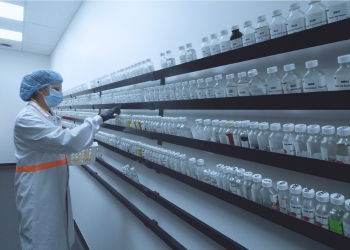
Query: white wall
{"points": [[13, 66], [107, 36]]}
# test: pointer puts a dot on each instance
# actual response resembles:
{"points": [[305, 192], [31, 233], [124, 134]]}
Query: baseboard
{"points": [[79, 236], [4, 165]]}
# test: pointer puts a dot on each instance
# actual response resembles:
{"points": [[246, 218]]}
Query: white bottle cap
{"points": [[313, 129], [343, 131], [254, 125], [192, 82], [237, 124], [235, 27], [205, 39], [245, 124], [240, 172], [275, 126], [199, 81], [248, 175], [282, 185], [294, 6], [199, 121], [215, 122], [289, 127], [311, 64], [261, 18], [189, 45], [192, 160], [220, 167], [267, 183], [227, 169], [183, 157], [344, 59], [185, 83], [337, 199], [162, 54], [181, 47], [276, 12], [272, 70], [308, 192], [230, 76], [222, 123], [328, 130], [347, 204], [207, 122], [263, 125], [168, 51], [206, 172], [209, 79], [223, 32], [213, 174], [218, 77], [233, 170], [257, 177], [213, 36], [289, 67], [242, 74], [322, 196], [252, 72], [247, 23], [295, 189], [229, 124], [200, 162], [300, 128]]}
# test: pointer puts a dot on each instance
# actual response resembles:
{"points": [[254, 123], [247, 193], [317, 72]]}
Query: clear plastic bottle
{"points": [[219, 87], [336, 214], [288, 139], [263, 136], [219, 177], [313, 144], [182, 54], [275, 139], [314, 80], [278, 26], [193, 167], [201, 168], [229, 129], [257, 84], [150, 66], [247, 185], [214, 44], [244, 134], [296, 19], [248, 37], [337, 10], [273, 82], [256, 187], [201, 89], [316, 15], [206, 176], [291, 81], [224, 41], [283, 197], [232, 180], [269, 196], [209, 88], [170, 60], [226, 177], [322, 209], [295, 200], [178, 91], [222, 132], [191, 54], [309, 204], [185, 128], [161, 93], [240, 181], [213, 176], [342, 147], [185, 91], [253, 135], [133, 175], [184, 165], [243, 84], [236, 133], [207, 130], [163, 63], [193, 90], [177, 167], [166, 93], [328, 143], [215, 131], [262, 33], [199, 129], [231, 86], [342, 75], [346, 219], [156, 94], [172, 91], [236, 38], [300, 140], [205, 47]]}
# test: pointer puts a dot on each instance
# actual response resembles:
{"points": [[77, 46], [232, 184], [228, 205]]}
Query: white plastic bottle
{"points": [[263, 136], [322, 209], [172, 91], [296, 19], [256, 187], [288, 139], [163, 63], [170, 60], [232, 180], [219, 87], [222, 132], [150, 66], [209, 88], [214, 44], [215, 131], [300, 140], [342, 75], [207, 130], [295, 200], [185, 91], [200, 169], [314, 80], [273, 82], [338, 10], [225, 178], [201, 89], [247, 185], [205, 47], [199, 129], [219, 177], [191, 54], [240, 181], [253, 135], [257, 84], [342, 147], [283, 197], [231, 86], [309, 204], [269, 196], [193, 167], [248, 34], [224, 41], [275, 139], [243, 84], [316, 15], [262, 33], [178, 91], [185, 128], [346, 219], [313, 144], [182, 54], [184, 165], [278, 26], [291, 81], [193, 90], [328, 143], [236, 133]]}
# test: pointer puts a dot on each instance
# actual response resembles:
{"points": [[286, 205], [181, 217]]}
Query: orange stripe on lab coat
{"points": [[41, 166]]}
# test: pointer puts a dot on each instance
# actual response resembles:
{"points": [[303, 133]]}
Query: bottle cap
{"points": [[289, 67], [267, 183], [205, 39], [213, 36], [192, 82], [168, 51], [337, 199], [183, 157], [311, 64], [247, 23], [233, 170], [178, 84], [313, 129], [213, 174], [235, 27], [215, 122], [229, 124], [328, 130], [200, 162], [177, 154], [223, 32], [207, 122], [220, 167], [300, 128], [289, 127], [230, 76], [282, 185], [237, 124], [162, 54], [275, 126], [218, 77], [199, 81], [209, 79], [294, 6], [263, 125], [242, 74], [185, 83], [257, 177], [240, 172], [295, 189], [206, 172], [254, 125], [227, 169], [308, 193], [322, 196], [222, 123], [344, 59], [261, 18], [343, 131], [192, 160], [189, 45], [276, 12], [248, 175], [245, 124], [272, 70], [181, 47], [199, 121], [252, 72], [347, 204]]}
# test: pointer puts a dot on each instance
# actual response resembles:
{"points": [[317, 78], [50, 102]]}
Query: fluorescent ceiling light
{"points": [[11, 11], [11, 35]]}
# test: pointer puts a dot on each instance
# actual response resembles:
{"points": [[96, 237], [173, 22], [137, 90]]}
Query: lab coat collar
{"points": [[40, 109]]}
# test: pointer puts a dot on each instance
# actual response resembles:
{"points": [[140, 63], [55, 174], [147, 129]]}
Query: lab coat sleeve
{"points": [[38, 135]]}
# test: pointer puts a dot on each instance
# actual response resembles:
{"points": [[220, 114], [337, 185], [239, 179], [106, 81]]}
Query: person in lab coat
{"points": [[41, 180]]}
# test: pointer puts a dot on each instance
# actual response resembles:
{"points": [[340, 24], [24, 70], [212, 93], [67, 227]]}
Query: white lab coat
{"points": [[41, 180]]}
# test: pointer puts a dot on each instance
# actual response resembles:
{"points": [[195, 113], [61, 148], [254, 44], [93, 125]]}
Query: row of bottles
{"points": [[130, 172]]}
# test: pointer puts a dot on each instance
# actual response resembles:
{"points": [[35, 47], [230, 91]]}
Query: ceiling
{"points": [[43, 24]]}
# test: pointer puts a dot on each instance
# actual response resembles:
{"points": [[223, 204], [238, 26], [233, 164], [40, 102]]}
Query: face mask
{"points": [[54, 99]]}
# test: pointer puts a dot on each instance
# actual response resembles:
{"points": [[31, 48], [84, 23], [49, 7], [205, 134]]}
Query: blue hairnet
{"points": [[37, 80]]}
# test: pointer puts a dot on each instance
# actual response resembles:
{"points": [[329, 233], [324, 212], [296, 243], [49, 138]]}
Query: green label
{"points": [[336, 226]]}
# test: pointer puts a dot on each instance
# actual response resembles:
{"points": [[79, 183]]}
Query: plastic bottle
{"points": [[199, 129], [236, 38], [156, 93], [248, 37], [231, 86], [244, 134], [207, 130], [263, 136], [200, 169], [237, 133], [262, 33], [191, 54], [184, 165], [342, 75], [185, 91], [342, 146], [314, 80], [182, 54], [214, 44], [296, 19], [288, 139], [300, 140], [229, 129], [275, 139], [322, 209], [225, 178], [150, 66], [133, 175], [247, 185], [170, 60], [346, 219], [201, 89], [256, 187], [163, 63], [273, 82], [337, 10], [219, 87], [213, 176], [177, 167], [283, 197], [219, 177], [206, 176], [209, 88], [243, 84], [205, 47], [232, 180], [313, 144], [239, 181], [193, 90], [172, 91], [308, 205], [224, 41], [295, 200], [278, 26], [328, 143], [178, 91], [185, 128], [291, 81], [257, 84], [269, 196], [222, 132], [316, 15], [215, 131], [193, 167], [253, 135], [336, 214]]}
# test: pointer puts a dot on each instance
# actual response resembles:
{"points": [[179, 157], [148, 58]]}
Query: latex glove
{"points": [[109, 113]]}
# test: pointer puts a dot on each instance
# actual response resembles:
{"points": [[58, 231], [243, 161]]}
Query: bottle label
{"points": [[245, 144], [342, 82], [337, 12], [189, 56], [288, 148], [322, 221], [296, 25], [309, 215], [206, 51], [182, 58], [295, 211], [233, 188], [167, 97], [193, 95], [274, 201], [262, 34], [236, 43], [273, 89], [342, 159], [316, 19], [243, 91], [314, 85], [185, 95], [257, 90], [283, 206], [236, 140], [210, 92], [231, 92], [324, 153], [278, 30], [201, 94], [346, 228], [225, 46], [215, 49], [336, 226], [291, 87], [248, 39], [178, 95], [220, 93]]}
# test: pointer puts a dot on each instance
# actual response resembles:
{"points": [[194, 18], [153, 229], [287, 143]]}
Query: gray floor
{"points": [[9, 236]]}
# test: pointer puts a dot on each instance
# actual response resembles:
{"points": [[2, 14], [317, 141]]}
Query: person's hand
{"points": [[109, 114]]}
